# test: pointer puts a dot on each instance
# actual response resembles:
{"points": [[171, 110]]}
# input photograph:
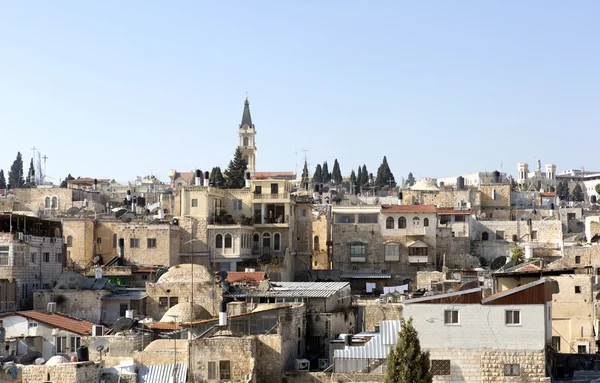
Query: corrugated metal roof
{"points": [[366, 276], [296, 290], [378, 347], [162, 373], [127, 296]]}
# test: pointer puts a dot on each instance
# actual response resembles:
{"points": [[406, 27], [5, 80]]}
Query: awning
{"points": [[366, 276]]}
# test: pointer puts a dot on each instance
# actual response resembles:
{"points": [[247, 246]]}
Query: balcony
{"points": [[418, 259], [271, 197], [417, 230], [261, 221]]}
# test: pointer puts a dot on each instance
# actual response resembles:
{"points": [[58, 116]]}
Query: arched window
{"points": [[266, 242], [276, 242], [70, 240], [228, 241], [245, 141], [389, 223], [485, 236], [426, 222], [316, 243], [219, 241], [54, 202], [47, 202], [416, 221], [114, 241], [256, 242], [401, 223]]}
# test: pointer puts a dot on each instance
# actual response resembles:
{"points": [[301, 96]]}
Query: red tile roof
{"points": [[164, 326], [408, 209], [548, 194], [449, 210], [253, 277], [57, 320]]}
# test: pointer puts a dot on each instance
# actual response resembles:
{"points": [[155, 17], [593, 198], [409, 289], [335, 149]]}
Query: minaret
{"points": [[247, 143]]}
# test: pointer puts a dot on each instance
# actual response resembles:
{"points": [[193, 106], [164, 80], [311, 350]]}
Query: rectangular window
{"points": [[258, 190], [581, 349], [302, 213], [4, 255], [512, 317], [534, 234], [499, 235], [74, 343], [577, 289], [392, 252], [556, 343], [173, 301], [32, 324], [224, 370], [512, 370], [194, 202], [163, 301], [237, 204], [344, 218], [358, 250], [368, 218], [274, 190], [61, 344], [417, 251], [212, 371], [451, 317], [58, 258], [46, 257], [99, 241], [578, 259], [151, 243], [440, 367], [32, 257], [134, 242], [459, 218]]}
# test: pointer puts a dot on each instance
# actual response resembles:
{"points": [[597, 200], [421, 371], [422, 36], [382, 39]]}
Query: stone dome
{"points": [[183, 274], [425, 184], [57, 359], [182, 311]]}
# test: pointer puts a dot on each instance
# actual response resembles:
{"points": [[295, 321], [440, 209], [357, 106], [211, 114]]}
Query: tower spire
{"points": [[246, 119]]}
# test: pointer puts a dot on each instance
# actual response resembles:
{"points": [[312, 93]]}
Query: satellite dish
{"points": [[449, 291], [99, 346], [73, 210], [97, 259], [30, 357], [127, 217], [221, 276], [119, 211], [509, 265], [122, 324], [469, 286], [498, 263], [39, 361]]}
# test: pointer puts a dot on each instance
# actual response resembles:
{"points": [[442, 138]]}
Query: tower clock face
{"points": [[245, 127]]}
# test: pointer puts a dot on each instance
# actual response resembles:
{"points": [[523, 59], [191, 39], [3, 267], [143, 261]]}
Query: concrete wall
{"points": [[82, 304]]}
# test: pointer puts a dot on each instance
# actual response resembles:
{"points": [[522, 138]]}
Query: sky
{"points": [[118, 89]]}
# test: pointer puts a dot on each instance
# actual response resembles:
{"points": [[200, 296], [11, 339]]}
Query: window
{"points": [[485, 236], [123, 307], [194, 202], [237, 204], [32, 257], [4, 255], [578, 259], [228, 241], [581, 349], [389, 223], [163, 301], [47, 202], [392, 252], [32, 324], [426, 222], [358, 249], [54, 202], [134, 242], [499, 235], [219, 241], [277, 242], [212, 371], [274, 188], [512, 317], [401, 223], [302, 213], [114, 241], [173, 301], [417, 251], [58, 257], [416, 221], [577, 289], [451, 317], [245, 141], [316, 243], [99, 240], [534, 234], [459, 218], [512, 370], [258, 190], [556, 343], [74, 343], [224, 370], [151, 243], [61, 344], [344, 218], [440, 367], [70, 240], [46, 257]]}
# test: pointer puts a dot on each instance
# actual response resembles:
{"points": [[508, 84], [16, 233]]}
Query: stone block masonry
{"points": [[83, 372]]}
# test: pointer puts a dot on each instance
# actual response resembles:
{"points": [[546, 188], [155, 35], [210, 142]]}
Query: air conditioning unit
{"points": [[302, 365], [21, 236], [97, 330], [323, 364], [51, 307]]}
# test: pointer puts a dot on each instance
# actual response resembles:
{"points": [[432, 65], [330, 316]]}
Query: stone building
{"points": [[538, 179], [79, 372]]}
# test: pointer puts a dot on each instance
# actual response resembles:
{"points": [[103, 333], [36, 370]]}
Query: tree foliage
{"points": [[364, 175], [15, 175], [236, 171], [562, 190], [384, 175], [2, 180], [410, 180], [336, 173], [352, 179], [577, 193], [31, 175], [318, 175], [216, 177], [516, 255], [63, 184], [407, 363], [325, 172]]}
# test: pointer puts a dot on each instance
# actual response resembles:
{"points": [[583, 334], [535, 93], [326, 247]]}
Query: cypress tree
{"points": [[236, 171], [15, 175], [216, 177], [31, 175], [325, 172], [318, 175], [2, 180], [410, 181], [353, 178], [63, 184], [359, 180], [577, 193], [336, 174], [407, 363], [384, 174], [364, 176]]}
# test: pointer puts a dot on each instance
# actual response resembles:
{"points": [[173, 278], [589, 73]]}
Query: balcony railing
{"points": [[418, 259], [266, 220], [272, 196]]}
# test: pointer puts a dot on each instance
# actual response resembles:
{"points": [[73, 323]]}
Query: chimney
{"points": [[121, 247], [128, 195], [247, 185], [206, 177], [98, 272], [95, 184], [134, 204], [198, 178], [223, 314]]}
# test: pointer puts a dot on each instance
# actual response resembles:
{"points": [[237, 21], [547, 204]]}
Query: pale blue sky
{"points": [[123, 88]]}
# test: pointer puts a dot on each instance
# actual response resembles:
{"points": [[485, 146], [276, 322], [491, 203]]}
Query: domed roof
{"points": [[183, 274], [57, 359], [425, 184], [182, 312]]}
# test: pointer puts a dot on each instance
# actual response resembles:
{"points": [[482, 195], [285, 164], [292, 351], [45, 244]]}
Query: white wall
{"points": [[480, 326], [15, 326]]}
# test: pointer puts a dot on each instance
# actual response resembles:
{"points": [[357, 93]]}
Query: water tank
{"points": [[460, 183], [528, 252], [83, 354], [496, 177], [129, 314], [198, 173]]}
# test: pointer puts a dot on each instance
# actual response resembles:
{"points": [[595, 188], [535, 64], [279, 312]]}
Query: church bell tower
{"points": [[247, 135]]}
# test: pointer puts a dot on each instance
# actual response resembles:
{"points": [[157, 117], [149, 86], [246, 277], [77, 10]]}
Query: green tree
{"points": [[325, 172], [577, 193], [15, 175], [216, 177], [31, 175], [2, 180], [318, 175], [407, 363], [562, 190], [336, 173], [63, 184], [305, 175], [597, 187], [410, 181], [364, 175], [384, 175], [236, 171], [516, 255], [359, 180], [352, 179]]}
